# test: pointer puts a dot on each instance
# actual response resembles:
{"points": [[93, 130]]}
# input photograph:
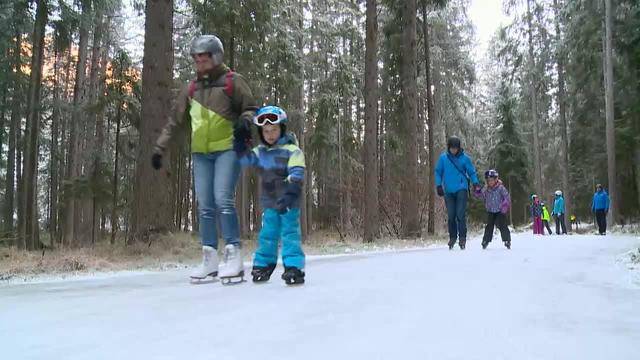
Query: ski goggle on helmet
{"points": [[491, 174], [270, 115]]}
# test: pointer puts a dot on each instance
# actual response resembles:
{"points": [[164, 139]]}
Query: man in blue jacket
{"points": [[558, 213], [453, 172], [600, 206]]}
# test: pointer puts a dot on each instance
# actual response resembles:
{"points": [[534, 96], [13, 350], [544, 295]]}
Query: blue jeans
{"points": [[277, 226], [215, 176], [456, 211]]}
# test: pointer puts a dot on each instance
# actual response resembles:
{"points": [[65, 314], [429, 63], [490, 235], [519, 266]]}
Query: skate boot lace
{"points": [[206, 259], [229, 254]]}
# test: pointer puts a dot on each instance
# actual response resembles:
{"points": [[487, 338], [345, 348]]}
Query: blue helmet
{"points": [[270, 114]]}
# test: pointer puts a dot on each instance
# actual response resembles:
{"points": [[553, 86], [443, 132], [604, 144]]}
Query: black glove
{"points": [[156, 161], [290, 196], [440, 190], [242, 137]]}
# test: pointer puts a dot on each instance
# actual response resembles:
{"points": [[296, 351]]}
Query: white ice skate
{"points": [[231, 270], [209, 266]]}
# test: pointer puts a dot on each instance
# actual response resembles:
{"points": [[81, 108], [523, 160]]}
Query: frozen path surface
{"points": [[547, 298]]}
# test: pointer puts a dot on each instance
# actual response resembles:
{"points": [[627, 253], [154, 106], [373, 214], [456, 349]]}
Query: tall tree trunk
{"points": [[153, 205], [65, 122], [54, 156], [14, 126], [29, 225], [562, 108], [430, 123], [101, 131], [88, 148], [409, 203], [371, 206], [537, 165], [609, 111], [3, 114], [298, 101], [73, 153], [114, 190]]}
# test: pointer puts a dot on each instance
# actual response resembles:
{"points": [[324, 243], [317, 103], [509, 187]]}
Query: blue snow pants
{"points": [[277, 226]]}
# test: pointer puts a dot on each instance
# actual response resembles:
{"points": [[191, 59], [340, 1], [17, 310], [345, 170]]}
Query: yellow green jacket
{"points": [[210, 113], [545, 214]]}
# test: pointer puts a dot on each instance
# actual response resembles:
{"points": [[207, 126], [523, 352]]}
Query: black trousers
{"points": [[560, 224], [601, 218], [500, 220], [546, 224]]}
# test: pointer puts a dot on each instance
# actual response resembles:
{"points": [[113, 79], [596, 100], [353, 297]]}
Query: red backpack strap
{"points": [[192, 88], [228, 83]]}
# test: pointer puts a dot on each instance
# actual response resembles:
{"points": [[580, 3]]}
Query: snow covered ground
{"points": [[547, 298]]}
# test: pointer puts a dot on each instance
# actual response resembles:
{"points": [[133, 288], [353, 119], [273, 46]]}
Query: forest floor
{"points": [[167, 252], [551, 297], [183, 250]]}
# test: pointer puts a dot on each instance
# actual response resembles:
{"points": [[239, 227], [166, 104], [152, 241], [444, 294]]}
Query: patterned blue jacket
{"points": [[279, 167]]}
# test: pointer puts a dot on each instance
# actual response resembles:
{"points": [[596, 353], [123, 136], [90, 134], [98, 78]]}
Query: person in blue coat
{"points": [[454, 170], [558, 213], [600, 206]]}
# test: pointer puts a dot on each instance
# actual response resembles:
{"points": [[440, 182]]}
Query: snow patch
{"points": [[630, 260]]}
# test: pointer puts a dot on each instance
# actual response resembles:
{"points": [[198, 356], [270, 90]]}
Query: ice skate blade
{"points": [[260, 282], [233, 280], [211, 278], [294, 284]]}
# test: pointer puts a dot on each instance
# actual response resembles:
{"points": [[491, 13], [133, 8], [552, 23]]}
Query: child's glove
{"points": [[241, 137], [291, 194], [477, 187]]}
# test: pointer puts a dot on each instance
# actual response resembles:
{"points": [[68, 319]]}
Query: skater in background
{"points": [[574, 221], [218, 107], [600, 206], [281, 166], [497, 203], [453, 172], [545, 218], [536, 214], [558, 213]]}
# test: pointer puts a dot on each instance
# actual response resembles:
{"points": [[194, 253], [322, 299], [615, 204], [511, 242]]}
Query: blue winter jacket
{"points": [[452, 172], [600, 201], [558, 205], [279, 166]]}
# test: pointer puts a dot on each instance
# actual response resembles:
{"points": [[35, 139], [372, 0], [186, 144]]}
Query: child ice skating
{"points": [[536, 214], [497, 202], [546, 218], [281, 166]]}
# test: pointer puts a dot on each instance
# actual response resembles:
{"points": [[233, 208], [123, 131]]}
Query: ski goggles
{"points": [[268, 118]]}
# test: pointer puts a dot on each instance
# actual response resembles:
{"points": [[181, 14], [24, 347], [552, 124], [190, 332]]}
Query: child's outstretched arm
{"points": [[480, 193], [295, 180], [249, 158], [506, 201], [296, 167]]}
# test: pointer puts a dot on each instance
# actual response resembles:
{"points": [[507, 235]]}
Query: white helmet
{"points": [[558, 193]]}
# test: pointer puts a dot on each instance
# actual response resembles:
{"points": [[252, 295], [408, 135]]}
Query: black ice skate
{"points": [[262, 273], [293, 276]]}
